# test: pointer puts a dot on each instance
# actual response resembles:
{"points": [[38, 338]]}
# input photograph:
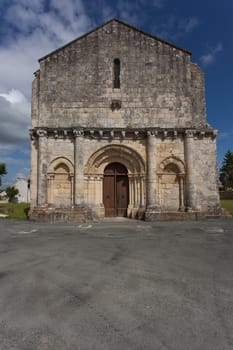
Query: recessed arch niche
{"points": [[60, 183]]}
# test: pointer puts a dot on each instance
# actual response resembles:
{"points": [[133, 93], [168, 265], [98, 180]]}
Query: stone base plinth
{"points": [[216, 213], [58, 214], [83, 214]]}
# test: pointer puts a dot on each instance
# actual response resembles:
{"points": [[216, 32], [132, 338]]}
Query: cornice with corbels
{"points": [[122, 133]]}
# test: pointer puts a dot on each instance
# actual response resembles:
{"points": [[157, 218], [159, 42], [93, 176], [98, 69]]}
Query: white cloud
{"points": [[156, 3], [107, 12], [174, 28], [14, 96], [210, 57], [15, 120], [36, 33], [225, 135], [189, 24], [31, 30]]}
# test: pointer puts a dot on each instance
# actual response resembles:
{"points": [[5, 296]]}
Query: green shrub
{"points": [[228, 205], [15, 210]]}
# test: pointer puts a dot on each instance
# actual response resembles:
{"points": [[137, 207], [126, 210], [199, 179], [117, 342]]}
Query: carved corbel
{"points": [[32, 135], [41, 133], [115, 105], [189, 133], [78, 132]]}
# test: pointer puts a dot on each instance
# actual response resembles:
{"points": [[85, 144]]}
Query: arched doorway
{"points": [[134, 170], [116, 190]]}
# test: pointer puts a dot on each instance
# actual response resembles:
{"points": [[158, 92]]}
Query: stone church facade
{"points": [[119, 129]]}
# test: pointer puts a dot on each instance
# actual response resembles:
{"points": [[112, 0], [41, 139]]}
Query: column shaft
{"points": [[151, 172], [42, 168], [190, 170], [79, 169]]}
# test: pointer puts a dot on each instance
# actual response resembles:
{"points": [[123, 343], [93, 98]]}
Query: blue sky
{"points": [[29, 29]]}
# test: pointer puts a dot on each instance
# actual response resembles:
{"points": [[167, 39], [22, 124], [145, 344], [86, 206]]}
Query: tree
{"points": [[226, 171], [2, 172], [11, 192]]}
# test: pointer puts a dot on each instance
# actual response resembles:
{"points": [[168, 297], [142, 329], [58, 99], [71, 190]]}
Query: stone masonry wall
{"points": [[159, 85], [205, 169]]}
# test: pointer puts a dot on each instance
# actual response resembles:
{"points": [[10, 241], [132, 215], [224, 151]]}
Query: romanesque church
{"points": [[119, 129]]}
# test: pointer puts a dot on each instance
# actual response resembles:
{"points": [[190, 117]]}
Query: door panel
{"points": [[109, 195], [122, 195], [116, 190]]}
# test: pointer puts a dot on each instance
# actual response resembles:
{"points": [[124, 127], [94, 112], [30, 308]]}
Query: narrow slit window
{"points": [[117, 71]]}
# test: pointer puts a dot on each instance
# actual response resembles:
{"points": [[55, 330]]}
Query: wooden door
{"points": [[115, 190], [122, 185]]}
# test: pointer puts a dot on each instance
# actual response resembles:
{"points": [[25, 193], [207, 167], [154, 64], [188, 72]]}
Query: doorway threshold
{"points": [[117, 219]]}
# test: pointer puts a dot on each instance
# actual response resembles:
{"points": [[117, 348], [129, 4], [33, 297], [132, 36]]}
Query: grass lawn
{"points": [[15, 210], [228, 205], [20, 210]]}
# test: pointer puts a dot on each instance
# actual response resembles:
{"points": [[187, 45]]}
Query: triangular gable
{"points": [[123, 23]]}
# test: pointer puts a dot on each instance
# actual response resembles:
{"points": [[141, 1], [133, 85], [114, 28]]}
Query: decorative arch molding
{"points": [[115, 154], [55, 163], [60, 186], [171, 176], [178, 163]]}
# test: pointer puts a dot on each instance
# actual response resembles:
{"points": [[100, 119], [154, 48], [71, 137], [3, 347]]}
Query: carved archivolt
{"points": [[115, 153], [58, 162], [172, 164]]}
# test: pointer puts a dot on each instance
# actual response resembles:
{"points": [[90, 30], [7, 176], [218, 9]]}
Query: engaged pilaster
{"points": [[79, 168], [42, 167], [190, 170], [152, 200]]}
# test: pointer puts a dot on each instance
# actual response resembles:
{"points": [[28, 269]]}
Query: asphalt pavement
{"points": [[116, 285]]}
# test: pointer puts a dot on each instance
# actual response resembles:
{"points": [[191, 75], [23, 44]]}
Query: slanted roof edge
{"points": [[121, 22]]}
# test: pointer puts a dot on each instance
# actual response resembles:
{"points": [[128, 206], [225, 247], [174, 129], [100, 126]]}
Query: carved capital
{"points": [[32, 135], [78, 132], [189, 133], [41, 133], [152, 132]]}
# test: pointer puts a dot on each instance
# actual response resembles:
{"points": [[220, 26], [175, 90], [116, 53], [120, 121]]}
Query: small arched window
{"points": [[117, 72]]}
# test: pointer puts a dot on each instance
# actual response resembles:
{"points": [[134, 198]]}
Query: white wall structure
{"points": [[24, 192]]}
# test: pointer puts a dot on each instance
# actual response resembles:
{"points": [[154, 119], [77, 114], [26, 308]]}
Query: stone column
{"points": [[142, 189], [42, 168], [78, 168], [99, 190], [131, 198], [159, 190], [189, 152], [34, 169], [72, 189], [50, 189], [151, 200], [134, 192], [181, 188]]}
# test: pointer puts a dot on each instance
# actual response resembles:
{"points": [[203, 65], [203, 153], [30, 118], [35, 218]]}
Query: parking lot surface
{"points": [[116, 285]]}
